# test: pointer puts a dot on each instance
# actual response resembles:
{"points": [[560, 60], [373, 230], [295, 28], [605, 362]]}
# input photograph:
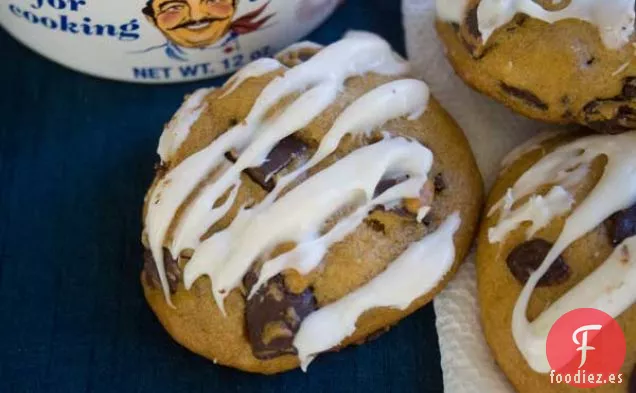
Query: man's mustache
{"points": [[196, 22]]}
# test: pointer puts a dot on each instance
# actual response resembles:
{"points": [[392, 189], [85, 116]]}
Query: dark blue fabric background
{"points": [[76, 156]]}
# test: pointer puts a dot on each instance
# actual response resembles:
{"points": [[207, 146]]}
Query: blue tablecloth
{"points": [[76, 156]]}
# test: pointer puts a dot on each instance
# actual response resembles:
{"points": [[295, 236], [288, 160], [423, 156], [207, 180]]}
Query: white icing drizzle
{"points": [[611, 287], [451, 10], [198, 218], [413, 274], [405, 97], [254, 69], [357, 53], [538, 209], [299, 215], [179, 126], [532, 144], [613, 18]]}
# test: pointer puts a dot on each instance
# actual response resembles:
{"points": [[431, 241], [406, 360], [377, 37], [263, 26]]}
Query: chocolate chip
{"points": [[376, 225], [524, 259], [592, 107], [470, 34], [629, 88], [590, 61], [385, 184], [524, 95], [520, 19], [232, 156], [624, 118], [472, 22], [631, 387], [622, 225], [171, 267], [615, 114], [428, 220], [280, 156], [440, 184], [273, 316], [410, 206]]}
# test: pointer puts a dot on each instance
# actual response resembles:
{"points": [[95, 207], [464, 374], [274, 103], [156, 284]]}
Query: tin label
{"points": [[160, 40]]}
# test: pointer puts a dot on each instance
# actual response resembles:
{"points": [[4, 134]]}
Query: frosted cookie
{"points": [[559, 233], [301, 208], [567, 61]]}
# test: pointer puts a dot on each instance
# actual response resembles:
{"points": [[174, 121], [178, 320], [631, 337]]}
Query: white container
{"points": [[160, 41]]}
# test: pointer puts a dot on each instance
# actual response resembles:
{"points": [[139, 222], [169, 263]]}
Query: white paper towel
{"points": [[493, 131]]}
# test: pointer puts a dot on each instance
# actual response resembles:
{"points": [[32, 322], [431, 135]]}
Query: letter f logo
{"points": [[583, 343]]}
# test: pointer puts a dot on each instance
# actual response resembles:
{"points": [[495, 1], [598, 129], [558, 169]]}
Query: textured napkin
{"points": [[493, 131]]}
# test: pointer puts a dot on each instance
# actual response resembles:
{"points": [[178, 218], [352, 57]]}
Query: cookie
{"points": [[311, 202], [562, 62], [561, 212]]}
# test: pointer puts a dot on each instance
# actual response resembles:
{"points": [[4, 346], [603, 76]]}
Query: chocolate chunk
{"points": [[520, 19], [631, 387], [472, 22], [439, 183], [624, 118], [280, 156], [171, 267], [622, 225], [469, 32], [428, 220], [592, 107], [524, 95], [524, 259], [232, 156], [385, 184], [410, 206], [273, 316], [615, 114], [376, 225], [629, 88]]}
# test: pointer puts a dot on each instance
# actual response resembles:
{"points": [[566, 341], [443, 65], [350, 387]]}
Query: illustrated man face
{"points": [[191, 23]]}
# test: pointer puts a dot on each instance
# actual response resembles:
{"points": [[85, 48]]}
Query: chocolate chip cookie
{"points": [[559, 233], [557, 61], [312, 201]]}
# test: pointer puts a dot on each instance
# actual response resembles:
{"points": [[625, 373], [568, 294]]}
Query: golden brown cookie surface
{"points": [[260, 333], [562, 72], [508, 254]]}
